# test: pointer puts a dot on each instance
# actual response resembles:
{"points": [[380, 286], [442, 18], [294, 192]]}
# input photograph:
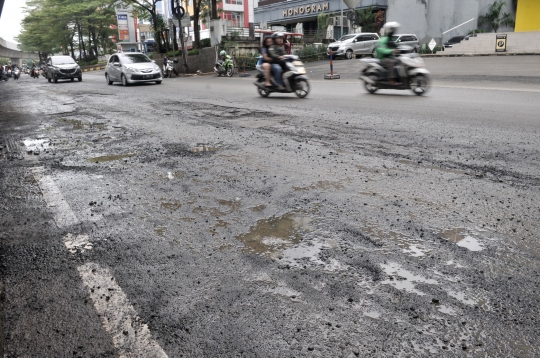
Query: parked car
{"points": [[62, 68], [354, 44], [408, 40], [455, 40], [132, 67]]}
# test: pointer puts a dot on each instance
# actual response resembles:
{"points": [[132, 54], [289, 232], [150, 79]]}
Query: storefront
{"points": [[528, 16], [305, 12]]}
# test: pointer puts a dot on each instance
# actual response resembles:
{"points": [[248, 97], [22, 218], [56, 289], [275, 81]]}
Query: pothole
{"points": [[403, 279], [108, 158], [462, 238]]}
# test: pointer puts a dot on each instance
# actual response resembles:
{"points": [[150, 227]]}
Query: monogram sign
{"points": [[305, 9]]}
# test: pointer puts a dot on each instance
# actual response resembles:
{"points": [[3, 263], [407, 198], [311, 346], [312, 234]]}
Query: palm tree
{"points": [[494, 18], [366, 19]]}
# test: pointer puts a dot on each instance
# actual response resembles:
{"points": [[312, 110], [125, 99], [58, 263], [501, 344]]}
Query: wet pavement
{"points": [[196, 219]]}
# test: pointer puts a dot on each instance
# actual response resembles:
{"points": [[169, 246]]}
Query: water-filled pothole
{"points": [[462, 238], [36, 144], [272, 235], [108, 158], [403, 279], [411, 246], [79, 124]]}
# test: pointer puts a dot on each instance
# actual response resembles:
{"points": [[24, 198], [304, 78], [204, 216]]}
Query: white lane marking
{"points": [[77, 243], [130, 336], [63, 215]]}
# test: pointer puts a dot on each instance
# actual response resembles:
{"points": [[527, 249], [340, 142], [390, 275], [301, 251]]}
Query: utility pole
{"points": [[178, 12]]}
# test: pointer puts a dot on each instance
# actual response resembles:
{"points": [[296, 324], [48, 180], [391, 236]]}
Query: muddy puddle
{"points": [[78, 124], [462, 238], [109, 158], [432, 167], [271, 236], [403, 279], [410, 246], [171, 205], [258, 208], [160, 230], [202, 149]]}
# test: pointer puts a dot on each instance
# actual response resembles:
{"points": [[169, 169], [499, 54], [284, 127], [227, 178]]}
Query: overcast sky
{"points": [[10, 22]]}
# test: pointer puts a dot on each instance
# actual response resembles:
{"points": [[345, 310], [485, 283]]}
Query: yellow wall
{"points": [[528, 16]]}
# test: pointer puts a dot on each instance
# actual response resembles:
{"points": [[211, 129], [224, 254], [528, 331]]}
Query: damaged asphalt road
{"points": [[195, 219]]}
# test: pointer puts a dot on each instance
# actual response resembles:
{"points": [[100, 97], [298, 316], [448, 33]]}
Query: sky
{"points": [[10, 22]]}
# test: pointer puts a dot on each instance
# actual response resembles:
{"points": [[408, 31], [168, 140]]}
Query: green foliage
{"points": [[424, 50], [193, 52], [477, 31], [495, 17], [312, 52], [205, 43], [366, 19]]}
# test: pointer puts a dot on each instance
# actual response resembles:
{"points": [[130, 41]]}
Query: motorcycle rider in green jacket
{"points": [[386, 51]]}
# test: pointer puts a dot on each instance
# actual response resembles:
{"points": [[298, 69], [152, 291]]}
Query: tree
{"points": [[150, 7], [323, 21], [495, 17], [366, 19]]}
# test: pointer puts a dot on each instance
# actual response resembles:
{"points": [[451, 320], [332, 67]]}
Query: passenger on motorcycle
{"points": [[386, 51], [277, 54], [267, 63]]}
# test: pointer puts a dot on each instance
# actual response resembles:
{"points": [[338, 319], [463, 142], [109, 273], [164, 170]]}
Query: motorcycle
{"points": [[34, 73], [294, 79], [225, 68], [169, 69], [16, 74], [411, 73]]}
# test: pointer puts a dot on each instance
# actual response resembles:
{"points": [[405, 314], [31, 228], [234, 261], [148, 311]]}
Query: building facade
{"points": [[426, 18]]}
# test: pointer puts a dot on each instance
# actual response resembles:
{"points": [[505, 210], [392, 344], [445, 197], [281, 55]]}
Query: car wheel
{"points": [[55, 80], [80, 78], [109, 82], [374, 53], [158, 82], [49, 79], [348, 54], [124, 81], [72, 80]]}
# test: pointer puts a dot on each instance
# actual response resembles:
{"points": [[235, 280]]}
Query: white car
{"points": [[354, 44], [132, 67]]}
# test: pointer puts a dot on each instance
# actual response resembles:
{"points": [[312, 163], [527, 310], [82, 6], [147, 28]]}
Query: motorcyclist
{"points": [[387, 50], [277, 54]]}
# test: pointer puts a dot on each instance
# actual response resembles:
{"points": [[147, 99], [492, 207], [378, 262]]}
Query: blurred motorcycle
{"points": [[410, 73]]}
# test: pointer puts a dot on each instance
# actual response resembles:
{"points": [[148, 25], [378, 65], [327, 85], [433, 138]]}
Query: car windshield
{"points": [[346, 37], [134, 58], [65, 60]]}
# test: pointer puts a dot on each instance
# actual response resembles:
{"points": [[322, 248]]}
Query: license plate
{"points": [[147, 76]]}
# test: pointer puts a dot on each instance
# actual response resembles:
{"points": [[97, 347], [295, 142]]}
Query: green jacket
{"points": [[383, 50]]}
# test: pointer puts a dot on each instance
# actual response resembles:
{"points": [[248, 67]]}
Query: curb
{"points": [[484, 54], [86, 69]]}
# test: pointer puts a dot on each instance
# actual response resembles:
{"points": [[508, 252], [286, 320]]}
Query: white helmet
{"points": [[390, 27]]}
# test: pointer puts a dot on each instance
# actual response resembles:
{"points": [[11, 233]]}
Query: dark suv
{"points": [[62, 68]]}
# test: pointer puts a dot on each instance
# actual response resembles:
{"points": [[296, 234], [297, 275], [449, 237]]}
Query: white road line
{"points": [[130, 336], [63, 215]]}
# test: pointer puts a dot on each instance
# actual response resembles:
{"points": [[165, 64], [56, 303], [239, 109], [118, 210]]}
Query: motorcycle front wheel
{"points": [[230, 71], [262, 92], [420, 84], [301, 88], [371, 87]]}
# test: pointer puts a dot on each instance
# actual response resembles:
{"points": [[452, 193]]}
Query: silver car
{"points": [[132, 67], [407, 39], [354, 44]]}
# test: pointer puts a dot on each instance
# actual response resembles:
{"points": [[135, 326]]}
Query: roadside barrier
{"points": [[331, 76], [244, 63]]}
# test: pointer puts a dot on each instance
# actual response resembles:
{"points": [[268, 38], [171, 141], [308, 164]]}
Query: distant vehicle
{"points": [[63, 68], [150, 45], [132, 67], [354, 44], [455, 40], [407, 40]]}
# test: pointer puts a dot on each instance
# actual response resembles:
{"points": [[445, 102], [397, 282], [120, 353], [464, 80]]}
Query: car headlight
{"points": [[156, 67], [130, 69]]}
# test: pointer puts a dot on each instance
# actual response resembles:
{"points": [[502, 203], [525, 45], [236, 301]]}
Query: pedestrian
{"points": [[287, 45]]}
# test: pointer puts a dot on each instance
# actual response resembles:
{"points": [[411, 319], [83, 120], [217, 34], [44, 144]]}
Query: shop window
{"points": [[234, 2], [236, 18]]}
